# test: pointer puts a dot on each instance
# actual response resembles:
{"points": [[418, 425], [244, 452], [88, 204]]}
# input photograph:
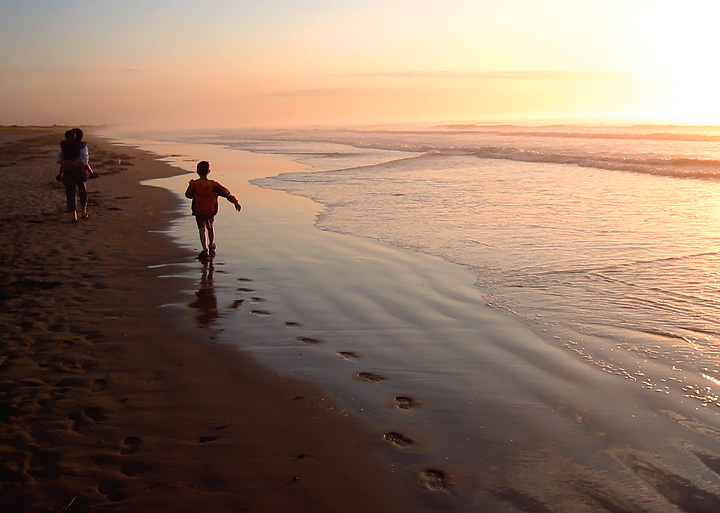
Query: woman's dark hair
{"points": [[70, 135]]}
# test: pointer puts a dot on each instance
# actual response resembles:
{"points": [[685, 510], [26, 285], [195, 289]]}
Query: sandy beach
{"points": [[300, 369], [108, 402]]}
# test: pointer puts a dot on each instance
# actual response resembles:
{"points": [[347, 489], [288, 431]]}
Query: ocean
{"points": [[611, 234], [599, 245]]}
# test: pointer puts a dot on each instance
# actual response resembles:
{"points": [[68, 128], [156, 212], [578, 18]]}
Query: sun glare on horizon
{"points": [[674, 55]]}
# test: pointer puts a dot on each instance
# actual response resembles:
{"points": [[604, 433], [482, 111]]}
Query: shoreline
{"points": [[511, 418], [108, 401]]}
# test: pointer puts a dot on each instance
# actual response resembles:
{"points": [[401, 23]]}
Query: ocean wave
{"points": [[564, 150], [639, 132], [673, 166]]}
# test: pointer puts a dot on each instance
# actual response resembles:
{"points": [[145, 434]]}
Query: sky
{"points": [[275, 63]]}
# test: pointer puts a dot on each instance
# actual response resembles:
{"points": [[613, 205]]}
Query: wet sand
{"points": [[109, 402]]}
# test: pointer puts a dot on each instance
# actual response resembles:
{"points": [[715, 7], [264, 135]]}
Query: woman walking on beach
{"points": [[73, 159]]}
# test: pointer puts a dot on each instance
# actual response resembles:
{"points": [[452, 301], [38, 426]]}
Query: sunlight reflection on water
{"points": [[628, 258]]}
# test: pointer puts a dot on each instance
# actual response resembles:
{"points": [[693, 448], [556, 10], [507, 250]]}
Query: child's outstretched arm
{"points": [[232, 199], [225, 193]]}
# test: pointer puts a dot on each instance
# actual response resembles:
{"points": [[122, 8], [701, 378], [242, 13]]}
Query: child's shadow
{"points": [[206, 302]]}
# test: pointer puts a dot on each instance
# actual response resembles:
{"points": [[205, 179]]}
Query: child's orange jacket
{"points": [[204, 194]]}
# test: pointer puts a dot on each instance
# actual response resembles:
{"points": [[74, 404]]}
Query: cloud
{"points": [[69, 71], [344, 92], [118, 68], [504, 75], [528, 75], [309, 93]]}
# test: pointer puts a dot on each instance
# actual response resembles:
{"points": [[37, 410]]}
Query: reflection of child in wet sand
{"points": [[206, 302], [204, 194]]}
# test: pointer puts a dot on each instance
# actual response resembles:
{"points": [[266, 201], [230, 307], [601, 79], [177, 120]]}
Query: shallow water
{"points": [[629, 257], [588, 396]]}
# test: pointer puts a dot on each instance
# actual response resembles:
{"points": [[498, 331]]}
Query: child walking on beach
{"points": [[204, 194]]}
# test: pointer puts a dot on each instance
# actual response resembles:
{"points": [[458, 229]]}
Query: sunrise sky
{"points": [[222, 63]]}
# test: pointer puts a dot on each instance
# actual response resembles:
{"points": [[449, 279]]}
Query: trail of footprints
{"points": [[432, 479], [59, 378]]}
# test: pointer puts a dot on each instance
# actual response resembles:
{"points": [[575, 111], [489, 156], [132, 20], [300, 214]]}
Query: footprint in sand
{"points": [[244, 280], [399, 439], [134, 468], [405, 402], [245, 289], [292, 324], [70, 382], [434, 479], [711, 461], [130, 445], [370, 376], [235, 304], [349, 355], [77, 422], [45, 466], [257, 299], [92, 336], [261, 313], [310, 340], [98, 385], [96, 414], [112, 489]]}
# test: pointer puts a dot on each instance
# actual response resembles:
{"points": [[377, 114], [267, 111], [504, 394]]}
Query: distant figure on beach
{"points": [[74, 169], [204, 194]]}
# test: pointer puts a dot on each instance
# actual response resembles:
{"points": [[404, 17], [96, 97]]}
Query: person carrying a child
{"points": [[74, 169], [204, 194]]}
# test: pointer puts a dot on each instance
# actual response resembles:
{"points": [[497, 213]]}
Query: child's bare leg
{"points": [[211, 238], [203, 238]]}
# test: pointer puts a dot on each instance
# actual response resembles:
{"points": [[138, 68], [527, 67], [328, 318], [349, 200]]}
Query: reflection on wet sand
{"points": [[206, 302]]}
